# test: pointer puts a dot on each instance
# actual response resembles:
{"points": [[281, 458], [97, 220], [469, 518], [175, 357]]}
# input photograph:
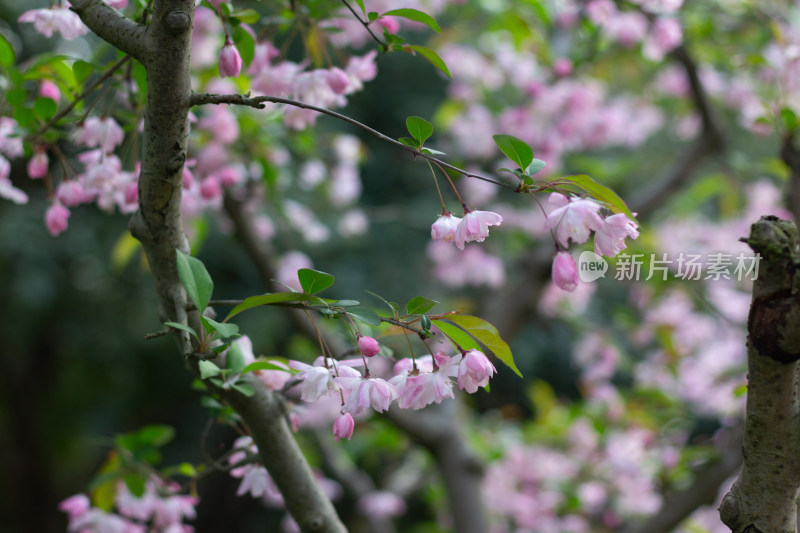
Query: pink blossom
{"points": [[221, 123], [600, 11], [338, 80], [474, 370], [38, 164], [70, 193], [343, 427], [256, 481], [574, 219], [288, 265], [210, 188], [444, 229], [381, 504], [99, 131], [475, 227], [230, 62], [353, 222], [390, 23], [565, 272], [426, 385], [7, 190], [317, 380], [362, 69], [75, 506], [366, 392], [664, 36], [48, 89], [56, 218], [59, 19], [368, 346], [117, 4], [562, 67], [609, 240]]}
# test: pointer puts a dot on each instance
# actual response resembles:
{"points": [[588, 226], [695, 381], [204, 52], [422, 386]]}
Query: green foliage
{"points": [[419, 305], [195, 279], [599, 192], [432, 57], [7, 55], [416, 16], [420, 129], [314, 281], [468, 329], [514, 149]]}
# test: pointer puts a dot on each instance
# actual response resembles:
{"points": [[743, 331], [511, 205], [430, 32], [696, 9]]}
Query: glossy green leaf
{"points": [[393, 307], [599, 192], [248, 16], [135, 484], [244, 388], [45, 108], [245, 44], [82, 70], [416, 16], [365, 315], [419, 128], [268, 299], [432, 57], [459, 337], [182, 327], [226, 330], [16, 96], [372, 16], [411, 143], [419, 305], [361, 5], [208, 369], [7, 55], [314, 281], [187, 469], [535, 166], [431, 151], [515, 149], [195, 279], [266, 365], [235, 359], [489, 336], [25, 117]]}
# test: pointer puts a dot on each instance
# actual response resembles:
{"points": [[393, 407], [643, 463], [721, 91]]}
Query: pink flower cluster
{"points": [[58, 19], [473, 227], [572, 221], [159, 509]]}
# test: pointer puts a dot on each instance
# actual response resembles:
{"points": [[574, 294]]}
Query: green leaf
{"points": [[789, 119], [248, 16], [226, 330], [372, 16], [431, 151], [208, 369], [25, 117], [244, 388], [314, 281], [365, 315], [16, 96], [245, 43], [267, 299], [211, 403], [411, 143], [361, 5], [416, 16], [599, 192], [235, 359], [419, 305], [347, 303], [7, 55], [265, 365], [432, 57], [489, 336], [135, 484], [456, 335], [535, 166], [82, 70], [45, 108], [187, 469], [425, 323], [515, 149], [182, 327], [195, 279], [419, 128]]}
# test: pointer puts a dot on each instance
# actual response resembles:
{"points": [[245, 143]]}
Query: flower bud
{"points": [[38, 165], [230, 62], [565, 272], [343, 427], [368, 346]]}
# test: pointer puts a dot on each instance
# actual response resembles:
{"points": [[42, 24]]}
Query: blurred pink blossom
{"points": [[565, 272], [59, 19]]}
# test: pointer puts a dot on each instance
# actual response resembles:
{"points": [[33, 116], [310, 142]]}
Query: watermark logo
{"points": [[591, 266]]}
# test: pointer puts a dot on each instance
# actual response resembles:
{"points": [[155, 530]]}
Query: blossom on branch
{"points": [[59, 19], [609, 240], [565, 272], [574, 219], [474, 370], [475, 226], [366, 392], [444, 229]]}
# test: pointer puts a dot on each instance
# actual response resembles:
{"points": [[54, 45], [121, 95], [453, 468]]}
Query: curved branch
{"points": [[112, 26], [259, 101]]}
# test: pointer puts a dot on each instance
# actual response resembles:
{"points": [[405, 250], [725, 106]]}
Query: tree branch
{"points": [[258, 102], [791, 156], [764, 497], [113, 27]]}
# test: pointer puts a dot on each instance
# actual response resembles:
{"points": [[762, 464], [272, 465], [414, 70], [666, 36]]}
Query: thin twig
{"points": [[258, 102], [364, 23]]}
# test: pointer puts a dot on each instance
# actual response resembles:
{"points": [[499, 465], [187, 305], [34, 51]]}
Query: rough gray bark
{"points": [[764, 497], [163, 48]]}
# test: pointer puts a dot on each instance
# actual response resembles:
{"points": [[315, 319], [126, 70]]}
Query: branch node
{"points": [[178, 22]]}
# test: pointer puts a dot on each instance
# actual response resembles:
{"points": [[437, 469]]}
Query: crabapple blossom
{"points": [[317, 379], [381, 504], [38, 164], [368, 346], [366, 392], [56, 218], [609, 240], [423, 386], [475, 226], [565, 272], [48, 89], [7, 190], [573, 219], [59, 19], [664, 36], [230, 62], [75, 506], [444, 229], [474, 371], [343, 426], [10, 138], [338, 80], [99, 131]]}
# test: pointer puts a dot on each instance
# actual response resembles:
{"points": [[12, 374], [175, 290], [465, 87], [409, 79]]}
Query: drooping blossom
{"points": [[565, 272], [10, 138], [474, 371], [475, 227], [609, 240], [7, 190], [99, 131], [425, 385], [38, 164], [338, 80], [574, 219], [343, 426], [56, 219], [368, 346], [444, 229], [230, 62], [317, 379], [366, 392], [59, 19]]}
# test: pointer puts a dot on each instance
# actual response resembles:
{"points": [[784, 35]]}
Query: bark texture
{"points": [[163, 47], [764, 497]]}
